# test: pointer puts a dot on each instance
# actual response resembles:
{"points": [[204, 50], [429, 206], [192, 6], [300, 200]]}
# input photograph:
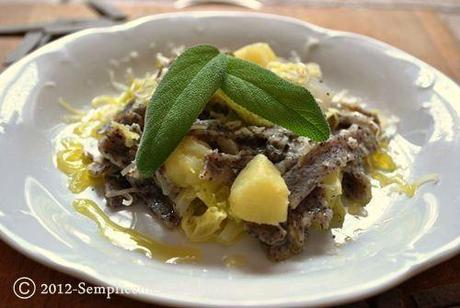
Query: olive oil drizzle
{"points": [[134, 240]]}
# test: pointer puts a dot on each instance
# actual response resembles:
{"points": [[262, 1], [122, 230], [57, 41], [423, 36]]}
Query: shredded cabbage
{"points": [[299, 73], [207, 226], [231, 232], [183, 167], [401, 185], [71, 158], [333, 192], [72, 161], [130, 136], [381, 160], [382, 169], [202, 228]]}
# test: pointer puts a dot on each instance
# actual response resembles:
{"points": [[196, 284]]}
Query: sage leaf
{"points": [[275, 99], [180, 97]]}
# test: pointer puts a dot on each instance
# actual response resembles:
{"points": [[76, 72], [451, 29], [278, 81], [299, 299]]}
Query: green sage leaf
{"points": [[275, 99], [181, 95]]}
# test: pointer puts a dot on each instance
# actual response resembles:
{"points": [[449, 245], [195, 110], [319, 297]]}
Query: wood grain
{"points": [[420, 32]]}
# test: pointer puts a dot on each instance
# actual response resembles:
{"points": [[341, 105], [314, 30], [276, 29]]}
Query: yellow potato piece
{"points": [[259, 193], [259, 53], [184, 165]]}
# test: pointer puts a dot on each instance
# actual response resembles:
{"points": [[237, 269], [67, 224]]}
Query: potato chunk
{"points": [[184, 165], [259, 193], [259, 53]]}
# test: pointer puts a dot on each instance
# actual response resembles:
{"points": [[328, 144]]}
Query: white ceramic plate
{"points": [[398, 238]]}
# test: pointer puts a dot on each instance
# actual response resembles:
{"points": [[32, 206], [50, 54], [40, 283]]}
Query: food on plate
{"points": [[224, 144], [259, 193]]}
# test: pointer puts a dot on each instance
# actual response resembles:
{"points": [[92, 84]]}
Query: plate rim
{"points": [[52, 260]]}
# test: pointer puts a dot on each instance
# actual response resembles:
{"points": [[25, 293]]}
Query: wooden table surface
{"points": [[421, 32]]}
